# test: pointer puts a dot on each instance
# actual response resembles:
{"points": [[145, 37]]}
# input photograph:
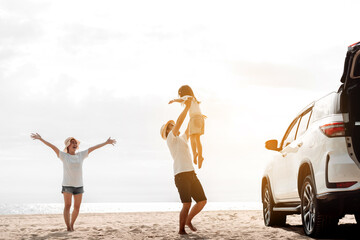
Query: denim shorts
{"points": [[72, 190]]}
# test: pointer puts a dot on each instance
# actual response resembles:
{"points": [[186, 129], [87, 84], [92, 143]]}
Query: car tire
{"points": [[271, 218], [314, 223]]}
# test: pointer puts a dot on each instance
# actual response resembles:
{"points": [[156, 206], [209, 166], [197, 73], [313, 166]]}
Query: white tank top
{"points": [[194, 107]]}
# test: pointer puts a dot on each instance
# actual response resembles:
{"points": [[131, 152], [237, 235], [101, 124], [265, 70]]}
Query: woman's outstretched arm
{"points": [[38, 137], [181, 100], [109, 141]]}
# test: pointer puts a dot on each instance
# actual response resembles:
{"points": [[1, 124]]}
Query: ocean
{"points": [[57, 208]]}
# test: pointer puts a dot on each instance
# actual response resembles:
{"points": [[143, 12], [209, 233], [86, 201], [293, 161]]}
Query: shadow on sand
{"points": [[62, 235], [343, 231], [193, 236]]}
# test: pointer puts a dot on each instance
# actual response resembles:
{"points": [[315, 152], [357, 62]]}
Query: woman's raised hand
{"points": [[35, 136], [111, 141]]}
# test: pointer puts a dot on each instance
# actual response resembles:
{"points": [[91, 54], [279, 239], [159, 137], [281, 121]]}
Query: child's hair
{"points": [[186, 90]]}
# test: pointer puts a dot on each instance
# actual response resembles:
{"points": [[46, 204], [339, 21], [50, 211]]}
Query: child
{"points": [[196, 123]]}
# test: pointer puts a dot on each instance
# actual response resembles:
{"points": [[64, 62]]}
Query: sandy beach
{"points": [[160, 225]]}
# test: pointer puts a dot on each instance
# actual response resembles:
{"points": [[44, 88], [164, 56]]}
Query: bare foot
{"points": [[201, 159], [69, 229], [182, 232], [195, 158], [192, 228], [72, 228]]}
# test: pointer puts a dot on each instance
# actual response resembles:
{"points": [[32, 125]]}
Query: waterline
{"points": [[57, 208]]}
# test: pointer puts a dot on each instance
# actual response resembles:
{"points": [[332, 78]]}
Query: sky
{"points": [[99, 69]]}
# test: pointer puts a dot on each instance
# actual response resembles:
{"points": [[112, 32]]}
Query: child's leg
{"points": [[199, 149], [193, 148]]}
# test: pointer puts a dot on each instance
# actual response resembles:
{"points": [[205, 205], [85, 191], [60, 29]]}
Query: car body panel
{"points": [[314, 148]]}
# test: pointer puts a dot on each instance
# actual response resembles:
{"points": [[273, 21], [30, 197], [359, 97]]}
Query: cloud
{"points": [[27, 8], [18, 30], [77, 36], [274, 75], [315, 72], [159, 33]]}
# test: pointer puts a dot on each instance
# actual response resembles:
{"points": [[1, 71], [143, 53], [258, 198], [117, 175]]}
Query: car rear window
{"points": [[357, 67], [328, 105]]}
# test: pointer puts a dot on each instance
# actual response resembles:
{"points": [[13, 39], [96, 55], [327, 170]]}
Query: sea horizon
{"points": [[117, 207]]}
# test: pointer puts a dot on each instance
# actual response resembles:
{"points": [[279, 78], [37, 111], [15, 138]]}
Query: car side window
{"points": [[291, 133], [304, 123], [356, 68]]}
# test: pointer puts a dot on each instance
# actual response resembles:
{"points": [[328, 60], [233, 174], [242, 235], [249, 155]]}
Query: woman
{"points": [[72, 175]]}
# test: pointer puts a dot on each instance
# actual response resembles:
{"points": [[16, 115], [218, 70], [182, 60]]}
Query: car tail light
{"points": [[344, 184], [352, 45], [335, 129]]}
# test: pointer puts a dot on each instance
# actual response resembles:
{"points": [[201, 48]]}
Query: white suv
{"points": [[316, 170]]}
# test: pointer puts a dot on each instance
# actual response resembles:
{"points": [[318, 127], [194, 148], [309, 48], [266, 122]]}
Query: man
{"points": [[187, 183]]}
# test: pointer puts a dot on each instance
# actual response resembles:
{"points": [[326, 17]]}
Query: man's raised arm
{"points": [[181, 117]]}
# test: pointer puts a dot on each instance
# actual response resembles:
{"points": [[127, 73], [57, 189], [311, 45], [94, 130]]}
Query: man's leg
{"points": [[67, 201], [75, 213], [197, 192], [194, 211], [183, 216]]}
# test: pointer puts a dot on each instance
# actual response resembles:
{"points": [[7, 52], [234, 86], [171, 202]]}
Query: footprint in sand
{"points": [[136, 230], [110, 230], [144, 226]]}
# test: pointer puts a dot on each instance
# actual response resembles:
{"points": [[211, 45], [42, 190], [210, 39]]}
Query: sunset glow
{"points": [[91, 70]]}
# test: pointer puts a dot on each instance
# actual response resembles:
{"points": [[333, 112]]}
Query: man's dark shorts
{"points": [[189, 187]]}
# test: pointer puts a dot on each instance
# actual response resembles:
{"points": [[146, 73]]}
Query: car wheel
{"points": [[271, 218], [314, 223]]}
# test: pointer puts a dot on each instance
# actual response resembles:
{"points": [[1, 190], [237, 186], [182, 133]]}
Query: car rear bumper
{"points": [[339, 203]]}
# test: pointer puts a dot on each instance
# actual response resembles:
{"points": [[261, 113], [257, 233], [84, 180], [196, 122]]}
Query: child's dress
{"points": [[197, 122]]}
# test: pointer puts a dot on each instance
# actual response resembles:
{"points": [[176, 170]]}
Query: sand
{"points": [[160, 225]]}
